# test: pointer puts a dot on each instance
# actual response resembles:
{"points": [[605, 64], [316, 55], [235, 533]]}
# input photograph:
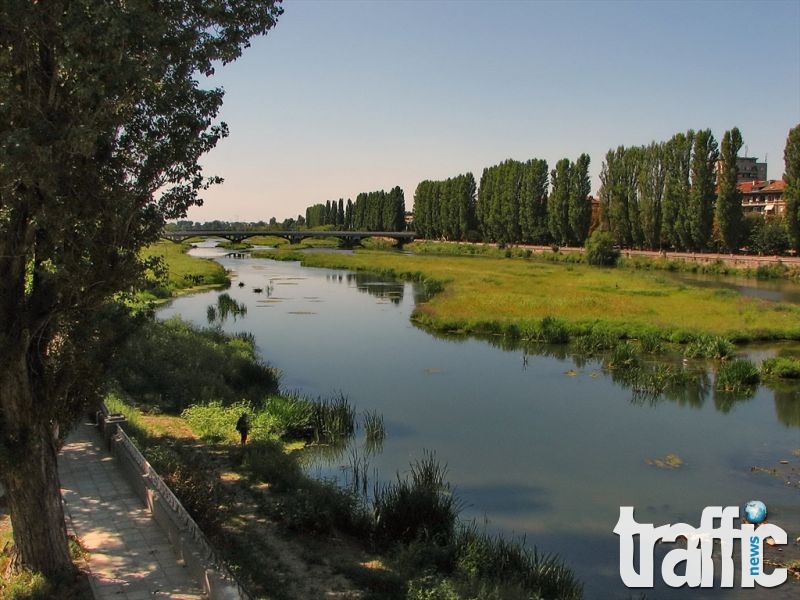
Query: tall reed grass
{"points": [[420, 506]]}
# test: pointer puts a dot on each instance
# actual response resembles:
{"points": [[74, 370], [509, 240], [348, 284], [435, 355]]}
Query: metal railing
{"points": [[183, 517]]}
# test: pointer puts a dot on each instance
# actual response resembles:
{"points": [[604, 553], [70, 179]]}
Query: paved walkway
{"points": [[130, 557]]}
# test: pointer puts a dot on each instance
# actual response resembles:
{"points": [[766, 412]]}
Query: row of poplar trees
{"points": [[680, 194], [514, 204], [372, 211]]}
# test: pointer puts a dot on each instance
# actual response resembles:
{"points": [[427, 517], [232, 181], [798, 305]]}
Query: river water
{"points": [[537, 445]]}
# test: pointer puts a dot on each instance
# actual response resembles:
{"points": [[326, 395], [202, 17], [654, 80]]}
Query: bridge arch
{"points": [[349, 238]]}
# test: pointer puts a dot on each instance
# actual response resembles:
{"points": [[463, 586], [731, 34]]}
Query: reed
{"points": [[418, 507], [709, 346], [736, 376], [481, 558], [374, 430], [224, 308], [332, 419], [783, 367]]}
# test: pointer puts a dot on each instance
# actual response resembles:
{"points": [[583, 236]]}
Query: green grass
{"points": [[736, 376], [172, 365], [783, 367], [497, 296], [184, 273]]}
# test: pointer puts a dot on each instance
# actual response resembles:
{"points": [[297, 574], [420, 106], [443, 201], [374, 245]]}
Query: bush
{"points": [[736, 375], [172, 364], [708, 346], [419, 507], [781, 366], [600, 249]]}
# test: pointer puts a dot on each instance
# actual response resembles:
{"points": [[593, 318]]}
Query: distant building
{"points": [[750, 169], [764, 197]]}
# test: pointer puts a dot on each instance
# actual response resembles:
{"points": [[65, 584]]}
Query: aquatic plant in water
{"points": [[737, 376]]}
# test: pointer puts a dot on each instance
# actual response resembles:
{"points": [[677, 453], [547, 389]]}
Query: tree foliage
{"points": [[600, 249], [445, 209], [703, 190], [558, 206], [791, 157], [663, 193], [102, 124], [580, 209], [729, 219]]}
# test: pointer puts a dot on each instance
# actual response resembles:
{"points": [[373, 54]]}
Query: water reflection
{"points": [[787, 403], [538, 440], [391, 291]]}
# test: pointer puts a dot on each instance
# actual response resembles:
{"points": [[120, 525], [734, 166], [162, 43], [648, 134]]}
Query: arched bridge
{"points": [[349, 238]]}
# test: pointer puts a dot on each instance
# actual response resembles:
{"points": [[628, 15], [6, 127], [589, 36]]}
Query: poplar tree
{"points": [[558, 204], [703, 190], [728, 210], [675, 205], [580, 210], [533, 202], [791, 158], [651, 182], [102, 125]]}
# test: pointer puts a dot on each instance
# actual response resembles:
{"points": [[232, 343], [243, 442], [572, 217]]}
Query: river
{"points": [[536, 445]]}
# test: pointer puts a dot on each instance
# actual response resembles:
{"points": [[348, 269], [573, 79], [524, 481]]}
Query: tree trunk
{"points": [[30, 476]]}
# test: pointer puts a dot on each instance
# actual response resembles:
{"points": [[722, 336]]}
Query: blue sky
{"points": [[352, 96]]}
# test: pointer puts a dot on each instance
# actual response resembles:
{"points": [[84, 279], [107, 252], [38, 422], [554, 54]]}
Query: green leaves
{"points": [[729, 219]]}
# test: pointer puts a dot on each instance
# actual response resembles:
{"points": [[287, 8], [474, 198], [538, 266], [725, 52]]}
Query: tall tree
{"points": [[580, 209], [533, 202], [675, 205], [558, 203], [728, 209], [651, 181], [703, 191], [791, 158], [102, 124]]}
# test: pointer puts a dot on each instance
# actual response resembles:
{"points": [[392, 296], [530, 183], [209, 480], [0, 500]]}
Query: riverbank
{"points": [[177, 273], [513, 296], [286, 534], [512, 405]]}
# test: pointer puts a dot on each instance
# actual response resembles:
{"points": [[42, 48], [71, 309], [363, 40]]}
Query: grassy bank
{"points": [[488, 295], [181, 273], [286, 534]]}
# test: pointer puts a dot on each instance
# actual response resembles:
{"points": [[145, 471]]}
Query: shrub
{"points": [[552, 331], [708, 346], [594, 342], [172, 364], [265, 460], [624, 356], [510, 569], [600, 249], [420, 506], [781, 366], [736, 375]]}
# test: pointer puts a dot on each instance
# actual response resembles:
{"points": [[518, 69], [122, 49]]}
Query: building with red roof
{"points": [[764, 197]]}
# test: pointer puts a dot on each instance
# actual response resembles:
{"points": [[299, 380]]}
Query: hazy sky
{"points": [[351, 96]]}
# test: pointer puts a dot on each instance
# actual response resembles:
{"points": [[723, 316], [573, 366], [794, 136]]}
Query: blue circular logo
{"points": [[755, 512]]}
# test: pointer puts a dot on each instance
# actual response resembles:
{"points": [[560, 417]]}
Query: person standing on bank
{"points": [[243, 427]]}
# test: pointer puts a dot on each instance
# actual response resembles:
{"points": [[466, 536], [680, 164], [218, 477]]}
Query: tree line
{"points": [[680, 194], [372, 211], [513, 204], [663, 194]]}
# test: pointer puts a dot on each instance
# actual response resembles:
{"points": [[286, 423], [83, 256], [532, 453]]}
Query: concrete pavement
{"points": [[129, 555]]}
